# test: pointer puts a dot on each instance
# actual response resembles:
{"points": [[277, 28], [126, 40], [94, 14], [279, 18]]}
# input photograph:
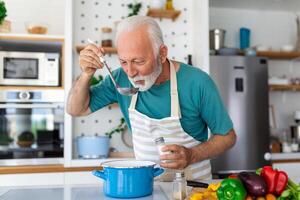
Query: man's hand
{"points": [[89, 59], [178, 158]]}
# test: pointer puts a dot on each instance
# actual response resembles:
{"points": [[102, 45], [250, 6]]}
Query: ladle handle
{"points": [[110, 73], [104, 62]]}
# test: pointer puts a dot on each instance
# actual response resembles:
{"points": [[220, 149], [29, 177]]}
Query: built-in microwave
{"points": [[29, 68]]}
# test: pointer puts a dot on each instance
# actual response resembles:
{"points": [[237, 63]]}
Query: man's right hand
{"points": [[89, 60]]}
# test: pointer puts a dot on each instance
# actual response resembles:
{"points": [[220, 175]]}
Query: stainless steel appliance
{"points": [[39, 112], [29, 68], [243, 86]]}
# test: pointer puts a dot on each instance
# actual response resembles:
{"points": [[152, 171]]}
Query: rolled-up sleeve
{"points": [[102, 94]]}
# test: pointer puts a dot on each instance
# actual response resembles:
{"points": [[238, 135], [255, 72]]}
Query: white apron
{"points": [[145, 130]]}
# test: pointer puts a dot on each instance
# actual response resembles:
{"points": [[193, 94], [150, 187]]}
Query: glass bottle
{"points": [[169, 5], [106, 37], [160, 143], [179, 186]]}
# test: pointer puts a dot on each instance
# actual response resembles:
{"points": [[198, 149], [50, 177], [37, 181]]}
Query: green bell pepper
{"points": [[231, 189]]}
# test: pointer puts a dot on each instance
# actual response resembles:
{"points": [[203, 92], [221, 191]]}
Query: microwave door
{"points": [[21, 68]]}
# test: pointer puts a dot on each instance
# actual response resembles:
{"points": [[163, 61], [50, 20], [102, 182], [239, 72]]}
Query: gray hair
{"points": [[154, 31]]}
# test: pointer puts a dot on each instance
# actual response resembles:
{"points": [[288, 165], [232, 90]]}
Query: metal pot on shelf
{"points": [[216, 39], [92, 147]]}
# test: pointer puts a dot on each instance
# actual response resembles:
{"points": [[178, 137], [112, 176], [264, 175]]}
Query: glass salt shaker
{"points": [[179, 186], [160, 143]]}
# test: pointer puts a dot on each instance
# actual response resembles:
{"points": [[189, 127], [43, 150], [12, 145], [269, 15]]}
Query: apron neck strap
{"points": [[175, 108]]}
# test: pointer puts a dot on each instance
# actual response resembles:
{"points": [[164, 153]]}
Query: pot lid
{"points": [[128, 163]]}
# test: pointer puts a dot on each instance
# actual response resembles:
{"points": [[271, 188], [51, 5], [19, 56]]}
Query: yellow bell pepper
{"points": [[197, 196], [214, 186]]}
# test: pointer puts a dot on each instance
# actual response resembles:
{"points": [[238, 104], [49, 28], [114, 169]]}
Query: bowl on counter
{"points": [[36, 27], [128, 178]]}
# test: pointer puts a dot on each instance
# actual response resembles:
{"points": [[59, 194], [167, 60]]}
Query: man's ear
{"points": [[163, 53]]}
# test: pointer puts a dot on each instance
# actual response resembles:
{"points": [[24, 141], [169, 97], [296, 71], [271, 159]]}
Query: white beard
{"points": [[149, 80]]}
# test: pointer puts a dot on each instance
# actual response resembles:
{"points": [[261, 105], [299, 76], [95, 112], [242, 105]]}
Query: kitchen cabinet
{"points": [[11, 41]]}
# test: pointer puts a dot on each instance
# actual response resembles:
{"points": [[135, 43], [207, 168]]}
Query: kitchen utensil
{"points": [[91, 147], [121, 90], [128, 178], [197, 184], [216, 38]]}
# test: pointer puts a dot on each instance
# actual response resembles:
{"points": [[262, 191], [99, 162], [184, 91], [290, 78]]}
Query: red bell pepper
{"points": [[276, 180]]}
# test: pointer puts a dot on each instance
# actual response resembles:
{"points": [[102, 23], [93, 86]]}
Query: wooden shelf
{"points": [[31, 88], [32, 37], [284, 87], [162, 13], [109, 50], [44, 169], [278, 54]]}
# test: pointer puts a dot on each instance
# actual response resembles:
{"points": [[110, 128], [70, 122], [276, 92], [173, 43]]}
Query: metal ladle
{"points": [[121, 90]]}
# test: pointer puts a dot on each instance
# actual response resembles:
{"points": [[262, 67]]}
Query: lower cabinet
{"points": [[40, 179], [32, 179]]}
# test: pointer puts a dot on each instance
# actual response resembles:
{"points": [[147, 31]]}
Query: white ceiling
{"points": [[280, 5]]}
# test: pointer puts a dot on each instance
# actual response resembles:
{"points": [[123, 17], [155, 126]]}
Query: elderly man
{"points": [[175, 101]]}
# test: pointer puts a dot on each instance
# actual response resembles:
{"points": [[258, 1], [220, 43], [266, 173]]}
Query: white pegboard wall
{"points": [[90, 16]]}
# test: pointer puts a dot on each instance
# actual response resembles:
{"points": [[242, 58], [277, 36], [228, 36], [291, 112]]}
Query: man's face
{"points": [[137, 58]]}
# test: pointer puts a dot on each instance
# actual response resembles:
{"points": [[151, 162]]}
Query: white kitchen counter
{"points": [[162, 191]]}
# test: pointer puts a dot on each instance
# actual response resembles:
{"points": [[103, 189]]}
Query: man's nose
{"points": [[131, 71]]}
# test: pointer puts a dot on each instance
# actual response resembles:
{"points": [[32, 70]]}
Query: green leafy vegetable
{"points": [[2, 12]]}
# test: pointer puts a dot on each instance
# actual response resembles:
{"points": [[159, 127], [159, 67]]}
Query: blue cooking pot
{"points": [[128, 178]]}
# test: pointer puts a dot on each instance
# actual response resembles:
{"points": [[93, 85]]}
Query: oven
{"points": [[31, 127]]}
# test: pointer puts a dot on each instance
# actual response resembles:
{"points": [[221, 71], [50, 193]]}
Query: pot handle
{"points": [[99, 174], [157, 171]]}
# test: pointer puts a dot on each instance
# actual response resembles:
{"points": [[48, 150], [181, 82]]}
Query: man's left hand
{"points": [[178, 158]]}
